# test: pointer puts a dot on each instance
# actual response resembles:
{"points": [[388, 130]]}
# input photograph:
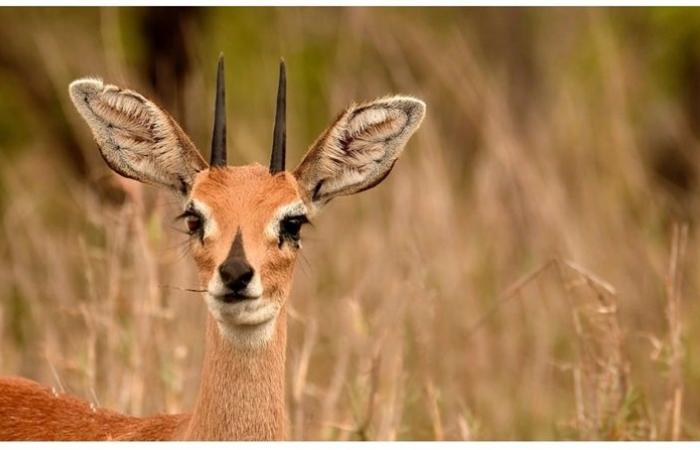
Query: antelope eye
{"points": [[290, 227], [193, 223]]}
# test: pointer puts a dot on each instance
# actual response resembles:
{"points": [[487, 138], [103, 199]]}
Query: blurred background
{"points": [[528, 271]]}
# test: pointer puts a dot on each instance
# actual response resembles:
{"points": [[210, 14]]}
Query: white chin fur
{"points": [[248, 323]]}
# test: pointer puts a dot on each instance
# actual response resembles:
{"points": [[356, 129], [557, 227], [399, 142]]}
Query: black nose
{"points": [[236, 273]]}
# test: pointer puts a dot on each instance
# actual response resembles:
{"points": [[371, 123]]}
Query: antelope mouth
{"points": [[236, 298], [237, 310]]}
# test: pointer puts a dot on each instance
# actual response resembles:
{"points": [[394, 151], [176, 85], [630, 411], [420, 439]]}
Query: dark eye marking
{"points": [[193, 221], [290, 227]]}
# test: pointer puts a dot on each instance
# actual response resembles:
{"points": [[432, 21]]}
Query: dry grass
{"points": [[525, 272]]}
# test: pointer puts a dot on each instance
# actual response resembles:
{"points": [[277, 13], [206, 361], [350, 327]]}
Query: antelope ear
{"points": [[136, 138], [359, 150]]}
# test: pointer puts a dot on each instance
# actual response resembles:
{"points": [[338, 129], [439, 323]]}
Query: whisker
{"points": [[176, 229], [178, 244], [182, 289], [183, 250], [307, 264]]}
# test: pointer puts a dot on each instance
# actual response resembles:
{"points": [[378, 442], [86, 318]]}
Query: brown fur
{"points": [[246, 197], [31, 412], [241, 395], [241, 392]]}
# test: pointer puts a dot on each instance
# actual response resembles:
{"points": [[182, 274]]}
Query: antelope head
{"points": [[244, 221]]}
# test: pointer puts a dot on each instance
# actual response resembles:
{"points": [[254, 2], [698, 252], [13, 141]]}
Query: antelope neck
{"points": [[241, 392]]}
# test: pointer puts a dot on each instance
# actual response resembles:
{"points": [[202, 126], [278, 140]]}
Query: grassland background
{"points": [[528, 271]]}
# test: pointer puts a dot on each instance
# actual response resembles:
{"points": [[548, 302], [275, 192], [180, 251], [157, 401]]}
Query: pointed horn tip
{"points": [[218, 143], [277, 158]]}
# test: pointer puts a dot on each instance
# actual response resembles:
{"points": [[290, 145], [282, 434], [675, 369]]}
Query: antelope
{"points": [[244, 224]]}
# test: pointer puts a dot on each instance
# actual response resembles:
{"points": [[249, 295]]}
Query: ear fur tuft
{"points": [[360, 148], [136, 138]]}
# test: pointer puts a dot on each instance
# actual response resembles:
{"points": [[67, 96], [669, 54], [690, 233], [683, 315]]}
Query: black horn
{"points": [[279, 138], [218, 139]]}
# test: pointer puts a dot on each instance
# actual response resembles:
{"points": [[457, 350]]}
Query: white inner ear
{"points": [[295, 208], [377, 124], [346, 176]]}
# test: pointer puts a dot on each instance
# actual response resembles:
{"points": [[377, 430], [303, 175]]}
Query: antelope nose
{"points": [[235, 274]]}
